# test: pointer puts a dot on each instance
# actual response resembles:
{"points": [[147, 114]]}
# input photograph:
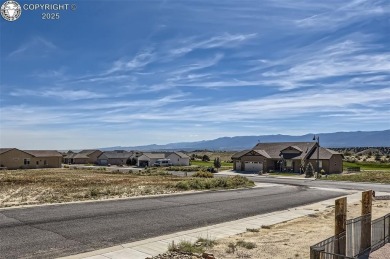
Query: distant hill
{"points": [[337, 139]]}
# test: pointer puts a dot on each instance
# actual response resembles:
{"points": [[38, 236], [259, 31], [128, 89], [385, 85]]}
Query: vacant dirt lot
{"points": [[22, 187], [38, 186], [291, 239]]}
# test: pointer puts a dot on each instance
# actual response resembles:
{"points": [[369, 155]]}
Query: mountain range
{"points": [[336, 139]]}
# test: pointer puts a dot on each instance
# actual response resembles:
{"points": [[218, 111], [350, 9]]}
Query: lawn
{"points": [[287, 174], [38, 186], [211, 163], [368, 165], [365, 176]]}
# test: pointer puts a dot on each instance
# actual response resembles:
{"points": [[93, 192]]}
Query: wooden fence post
{"points": [[365, 239], [340, 225]]}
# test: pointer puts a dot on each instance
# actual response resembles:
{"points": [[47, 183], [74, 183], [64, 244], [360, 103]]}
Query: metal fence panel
{"points": [[380, 232], [354, 235], [331, 248]]}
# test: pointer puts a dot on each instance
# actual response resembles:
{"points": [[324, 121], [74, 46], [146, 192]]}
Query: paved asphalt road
{"points": [[323, 183], [59, 230]]}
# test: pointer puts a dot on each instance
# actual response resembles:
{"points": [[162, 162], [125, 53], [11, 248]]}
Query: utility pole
{"points": [[318, 153]]}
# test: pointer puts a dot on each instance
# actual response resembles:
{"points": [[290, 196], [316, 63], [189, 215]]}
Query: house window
{"points": [[320, 163], [37, 162], [26, 161], [45, 162]]}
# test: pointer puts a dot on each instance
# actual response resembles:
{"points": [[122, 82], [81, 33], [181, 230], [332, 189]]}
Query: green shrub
{"points": [[184, 185], [197, 184], [203, 174], [205, 242], [215, 183], [231, 248], [185, 247], [93, 192], [247, 245], [239, 181]]}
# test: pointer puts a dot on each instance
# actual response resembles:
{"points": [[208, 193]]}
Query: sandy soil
{"points": [[293, 238]]}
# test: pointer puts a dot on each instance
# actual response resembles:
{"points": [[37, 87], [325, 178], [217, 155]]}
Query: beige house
{"points": [[148, 159], [12, 158], [179, 158], [83, 157], [117, 157], [287, 157]]}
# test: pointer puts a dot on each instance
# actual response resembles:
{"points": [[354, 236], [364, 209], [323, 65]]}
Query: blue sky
{"points": [[141, 72]]}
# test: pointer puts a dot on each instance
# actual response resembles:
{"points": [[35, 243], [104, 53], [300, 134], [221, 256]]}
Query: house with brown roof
{"points": [[289, 157], [83, 157], [117, 157], [13, 158]]}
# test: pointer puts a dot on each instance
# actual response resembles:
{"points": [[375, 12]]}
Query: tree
{"points": [[378, 157], [205, 158], [217, 163], [128, 161], [309, 170], [133, 161]]}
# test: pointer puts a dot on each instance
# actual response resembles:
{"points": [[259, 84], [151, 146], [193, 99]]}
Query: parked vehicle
{"points": [[163, 162]]}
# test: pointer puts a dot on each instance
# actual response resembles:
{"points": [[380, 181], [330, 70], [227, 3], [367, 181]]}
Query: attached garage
{"points": [[237, 165], [253, 166]]}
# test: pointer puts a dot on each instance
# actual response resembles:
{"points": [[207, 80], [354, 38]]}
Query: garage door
{"points": [[103, 161], [253, 166]]}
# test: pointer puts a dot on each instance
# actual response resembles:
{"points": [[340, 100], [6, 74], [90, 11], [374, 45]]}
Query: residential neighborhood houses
{"points": [[13, 158], [292, 157]]}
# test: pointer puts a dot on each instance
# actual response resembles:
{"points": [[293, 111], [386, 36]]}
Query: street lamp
{"points": [[281, 162], [318, 153]]}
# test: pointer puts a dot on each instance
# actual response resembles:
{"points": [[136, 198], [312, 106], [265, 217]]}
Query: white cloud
{"points": [[141, 60], [222, 41], [65, 94], [35, 45], [348, 12], [346, 58]]}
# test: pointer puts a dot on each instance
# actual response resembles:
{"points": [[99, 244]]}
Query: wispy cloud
{"points": [[346, 58], [65, 94], [222, 41], [142, 59], [348, 12], [35, 45]]}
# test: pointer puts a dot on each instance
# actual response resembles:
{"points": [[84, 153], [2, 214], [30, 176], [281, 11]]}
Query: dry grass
{"points": [[22, 187], [39, 186]]}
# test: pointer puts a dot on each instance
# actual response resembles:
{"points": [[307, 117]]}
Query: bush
{"points": [[188, 247], [247, 245], [205, 242], [203, 174], [205, 158], [184, 185], [239, 181], [309, 170], [214, 183]]}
